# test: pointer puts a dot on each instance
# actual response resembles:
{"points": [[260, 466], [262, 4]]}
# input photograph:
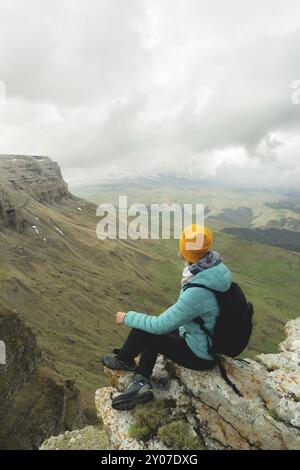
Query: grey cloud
{"points": [[70, 52], [200, 87]]}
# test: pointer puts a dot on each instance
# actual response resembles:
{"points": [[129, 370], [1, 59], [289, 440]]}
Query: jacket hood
{"points": [[218, 278]]}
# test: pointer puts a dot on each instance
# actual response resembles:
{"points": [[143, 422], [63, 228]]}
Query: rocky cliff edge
{"points": [[266, 417], [23, 179]]}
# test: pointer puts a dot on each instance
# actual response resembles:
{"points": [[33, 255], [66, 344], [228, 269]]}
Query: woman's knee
{"points": [[148, 338], [140, 334], [135, 331]]}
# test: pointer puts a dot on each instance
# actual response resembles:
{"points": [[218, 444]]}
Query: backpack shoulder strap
{"points": [[192, 284], [201, 323], [200, 320]]}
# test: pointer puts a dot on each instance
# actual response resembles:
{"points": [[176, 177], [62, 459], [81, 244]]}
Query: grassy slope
{"points": [[69, 288]]}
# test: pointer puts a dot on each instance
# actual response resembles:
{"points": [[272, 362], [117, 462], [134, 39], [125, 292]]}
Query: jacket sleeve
{"points": [[183, 311]]}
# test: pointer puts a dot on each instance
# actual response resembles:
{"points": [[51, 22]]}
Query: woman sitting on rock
{"points": [[175, 334]]}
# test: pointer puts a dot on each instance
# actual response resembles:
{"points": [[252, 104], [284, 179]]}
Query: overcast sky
{"points": [[185, 87]]}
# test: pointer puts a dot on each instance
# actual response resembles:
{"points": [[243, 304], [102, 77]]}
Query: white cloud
{"points": [[198, 88]]}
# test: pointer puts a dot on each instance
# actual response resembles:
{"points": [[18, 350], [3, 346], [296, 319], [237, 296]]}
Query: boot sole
{"points": [[130, 404], [127, 369]]}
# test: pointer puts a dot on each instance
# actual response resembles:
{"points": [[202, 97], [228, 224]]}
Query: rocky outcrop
{"points": [[43, 407], [11, 205], [39, 177], [34, 405], [23, 178], [22, 355], [267, 416], [88, 438]]}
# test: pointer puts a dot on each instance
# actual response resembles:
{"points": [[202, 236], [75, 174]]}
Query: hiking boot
{"points": [[138, 391], [113, 361]]}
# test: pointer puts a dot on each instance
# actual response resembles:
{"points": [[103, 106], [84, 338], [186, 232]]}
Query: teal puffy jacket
{"points": [[191, 304]]}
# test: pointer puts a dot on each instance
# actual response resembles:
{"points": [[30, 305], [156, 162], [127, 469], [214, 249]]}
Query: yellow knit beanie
{"points": [[195, 241]]}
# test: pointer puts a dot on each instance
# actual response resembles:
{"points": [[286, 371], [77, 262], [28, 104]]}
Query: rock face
{"points": [[266, 417], [88, 438], [33, 405], [22, 355], [27, 177]]}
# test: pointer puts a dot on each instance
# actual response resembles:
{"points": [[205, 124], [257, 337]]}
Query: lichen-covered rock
{"points": [[116, 423], [89, 438], [292, 333], [267, 416]]}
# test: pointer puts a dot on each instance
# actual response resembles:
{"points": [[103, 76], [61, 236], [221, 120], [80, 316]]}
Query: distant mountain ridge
{"points": [[287, 239], [231, 207]]}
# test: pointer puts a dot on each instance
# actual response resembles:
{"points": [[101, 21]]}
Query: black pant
{"points": [[172, 346]]}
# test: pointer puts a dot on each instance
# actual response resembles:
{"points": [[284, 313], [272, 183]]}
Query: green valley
{"points": [[66, 285]]}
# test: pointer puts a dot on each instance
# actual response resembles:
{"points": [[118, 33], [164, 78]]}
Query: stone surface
{"points": [[22, 356], [23, 178], [33, 405], [267, 416], [89, 438]]}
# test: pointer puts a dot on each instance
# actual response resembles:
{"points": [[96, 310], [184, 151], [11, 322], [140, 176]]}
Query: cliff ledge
{"points": [[266, 417]]}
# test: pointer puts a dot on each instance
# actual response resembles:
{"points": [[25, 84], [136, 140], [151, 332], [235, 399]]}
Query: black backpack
{"points": [[233, 326]]}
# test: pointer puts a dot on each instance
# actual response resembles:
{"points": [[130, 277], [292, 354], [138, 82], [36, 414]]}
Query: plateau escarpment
{"points": [[39, 177], [58, 277], [36, 401], [23, 178]]}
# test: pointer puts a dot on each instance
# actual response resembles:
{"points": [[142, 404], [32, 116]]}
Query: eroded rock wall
{"points": [[22, 355], [34, 405], [27, 177]]}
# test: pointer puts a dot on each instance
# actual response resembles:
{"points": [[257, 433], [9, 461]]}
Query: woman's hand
{"points": [[120, 318]]}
